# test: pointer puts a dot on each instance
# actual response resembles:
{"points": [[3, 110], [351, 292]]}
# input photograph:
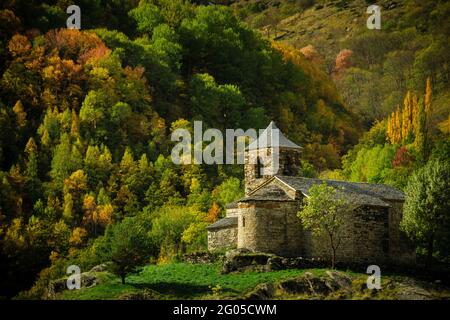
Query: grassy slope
{"points": [[204, 281], [181, 280]]}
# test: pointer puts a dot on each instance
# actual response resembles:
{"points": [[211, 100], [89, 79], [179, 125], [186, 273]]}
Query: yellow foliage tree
{"points": [[21, 115], [77, 237], [213, 213]]}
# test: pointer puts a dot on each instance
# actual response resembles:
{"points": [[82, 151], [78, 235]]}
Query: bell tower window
{"points": [[258, 168], [287, 170]]}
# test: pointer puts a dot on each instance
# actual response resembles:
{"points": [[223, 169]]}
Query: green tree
{"points": [[131, 246], [170, 224], [324, 213], [228, 191], [426, 216], [147, 16], [66, 160]]}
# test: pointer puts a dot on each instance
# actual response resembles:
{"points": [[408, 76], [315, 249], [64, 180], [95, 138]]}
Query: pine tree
{"points": [[75, 126], [31, 172], [21, 115]]}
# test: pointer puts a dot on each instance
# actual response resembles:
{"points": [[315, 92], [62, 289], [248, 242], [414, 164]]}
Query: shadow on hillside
{"points": [[179, 290]]}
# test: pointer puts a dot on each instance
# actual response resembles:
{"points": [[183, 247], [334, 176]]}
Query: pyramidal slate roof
{"points": [[268, 138], [361, 193]]}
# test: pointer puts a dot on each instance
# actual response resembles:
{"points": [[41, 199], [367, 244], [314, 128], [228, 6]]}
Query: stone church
{"points": [[265, 219]]}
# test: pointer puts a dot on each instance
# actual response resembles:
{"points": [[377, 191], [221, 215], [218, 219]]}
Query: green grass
{"points": [[204, 281], [182, 281]]}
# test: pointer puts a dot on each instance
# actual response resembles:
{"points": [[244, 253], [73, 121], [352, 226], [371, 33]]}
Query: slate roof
{"points": [[232, 205], [267, 193], [360, 193], [267, 138], [226, 222]]}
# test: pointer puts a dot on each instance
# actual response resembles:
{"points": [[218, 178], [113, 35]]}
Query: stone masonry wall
{"points": [[365, 238], [288, 164], [401, 250], [270, 226], [232, 212], [225, 238]]}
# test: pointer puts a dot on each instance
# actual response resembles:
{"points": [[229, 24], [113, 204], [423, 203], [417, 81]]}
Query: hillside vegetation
{"points": [[86, 116], [204, 281], [372, 69]]}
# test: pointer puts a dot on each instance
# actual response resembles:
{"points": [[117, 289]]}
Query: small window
{"points": [[287, 166], [258, 168]]}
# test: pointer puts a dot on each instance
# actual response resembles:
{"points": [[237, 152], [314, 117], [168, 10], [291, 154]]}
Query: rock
{"points": [[243, 259], [275, 263], [337, 281], [313, 285], [101, 267], [56, 287], [410, 289], [295, 286], [88, 280], [317, 285], [263, 291], [200, 257], [239, 260]]}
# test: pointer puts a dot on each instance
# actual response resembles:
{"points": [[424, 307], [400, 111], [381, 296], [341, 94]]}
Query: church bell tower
{"points": [[271, 154]]}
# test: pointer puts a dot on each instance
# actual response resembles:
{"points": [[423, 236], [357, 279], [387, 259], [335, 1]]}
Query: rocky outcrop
{"points": [[101, 267], [263, 291], [244, 259], [306, 284], [312, 285], [201, 257], [88, 280]]}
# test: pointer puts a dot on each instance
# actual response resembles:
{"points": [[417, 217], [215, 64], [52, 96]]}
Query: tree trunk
{"points": [[122, 276], [333, 259], [333, 251]]}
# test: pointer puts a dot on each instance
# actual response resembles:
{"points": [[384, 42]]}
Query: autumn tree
{"points": [[343, 61]]}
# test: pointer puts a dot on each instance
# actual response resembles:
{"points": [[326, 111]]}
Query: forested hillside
{"points": [[372, 69], [86, 118], [86, 115]]}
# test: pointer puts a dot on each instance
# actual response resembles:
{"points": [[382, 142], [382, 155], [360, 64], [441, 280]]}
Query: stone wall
{"points": [[232, 212], [224, 238], [401, 250], [288, 164], [365, 238], [270, 226]]}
